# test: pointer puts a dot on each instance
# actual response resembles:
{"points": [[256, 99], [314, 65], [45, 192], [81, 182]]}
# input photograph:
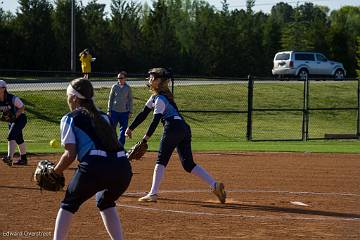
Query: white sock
{"points": [[11, 148], [112, 223], [157, 177], [62, 224], [22, 149], [202, 173]]}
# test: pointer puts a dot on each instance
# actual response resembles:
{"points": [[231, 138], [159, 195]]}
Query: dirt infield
{"points": [[263, 190]]}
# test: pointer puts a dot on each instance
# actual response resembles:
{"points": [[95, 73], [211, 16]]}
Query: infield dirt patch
{"points": [[260, 187]]}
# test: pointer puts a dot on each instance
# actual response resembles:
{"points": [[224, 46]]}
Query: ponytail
{"points": [[103, 130]]}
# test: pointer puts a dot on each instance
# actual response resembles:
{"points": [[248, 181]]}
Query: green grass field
{"points": [[220, 131]]}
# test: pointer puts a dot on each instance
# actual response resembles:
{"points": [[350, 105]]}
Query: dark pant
{"points": [[177, 134], [121, 118], [108, 178], [16, 129]]}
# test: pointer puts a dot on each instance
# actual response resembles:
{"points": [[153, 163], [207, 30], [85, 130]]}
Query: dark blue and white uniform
{"points": [[99, 172], [176, 134], [13, 103]]}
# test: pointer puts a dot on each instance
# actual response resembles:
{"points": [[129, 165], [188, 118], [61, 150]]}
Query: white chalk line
{"points": [[236, 215], [248, 191], [241, 215]]}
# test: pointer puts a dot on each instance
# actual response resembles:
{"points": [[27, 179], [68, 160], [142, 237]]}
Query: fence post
{"points": [[250, 107], [305, 122], [172, 85], [358, 111], [73, 37]]}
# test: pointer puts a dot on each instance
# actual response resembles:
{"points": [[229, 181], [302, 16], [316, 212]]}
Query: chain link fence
{"points": [[305, 110], [218, 109]]}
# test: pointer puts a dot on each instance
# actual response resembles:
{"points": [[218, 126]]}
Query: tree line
{"points": [[190, 36]]}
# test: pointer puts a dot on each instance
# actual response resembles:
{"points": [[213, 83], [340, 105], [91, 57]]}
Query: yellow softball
{"points": [[54, 143]]}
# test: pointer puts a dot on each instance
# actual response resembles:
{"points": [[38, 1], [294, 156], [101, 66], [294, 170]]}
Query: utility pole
{"points": [[73, 48]]}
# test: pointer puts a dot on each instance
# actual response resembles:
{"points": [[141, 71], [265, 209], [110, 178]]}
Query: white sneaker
{"points": [[149, 198], [219, 191]]}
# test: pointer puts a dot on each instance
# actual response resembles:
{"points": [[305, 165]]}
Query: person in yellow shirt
{"points": [[85, 59]]}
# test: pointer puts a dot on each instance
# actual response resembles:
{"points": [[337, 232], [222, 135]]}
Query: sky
{"points": [[260, 5]]}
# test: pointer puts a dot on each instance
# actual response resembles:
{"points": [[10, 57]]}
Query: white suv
{"points": [[303, 64]]}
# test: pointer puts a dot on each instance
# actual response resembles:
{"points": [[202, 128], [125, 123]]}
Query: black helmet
{"points": [[162, 73]]}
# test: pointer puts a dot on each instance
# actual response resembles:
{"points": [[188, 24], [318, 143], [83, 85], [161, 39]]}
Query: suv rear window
{"points": [[304, 56], [282, 56]]}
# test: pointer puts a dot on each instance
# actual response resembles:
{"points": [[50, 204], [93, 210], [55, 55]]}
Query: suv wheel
{"points": [[303, 74], [339, 74]]}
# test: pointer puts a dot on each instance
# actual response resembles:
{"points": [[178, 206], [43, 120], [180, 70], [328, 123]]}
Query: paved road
{"points": [[100, 84]]}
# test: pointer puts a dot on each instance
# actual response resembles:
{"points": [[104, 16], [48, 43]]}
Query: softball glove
{"points": [[8, 116], [137, 151], [46, 178]]}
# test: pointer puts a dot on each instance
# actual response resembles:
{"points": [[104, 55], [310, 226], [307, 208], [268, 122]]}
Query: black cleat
{"points": [[20, 162], [7, 160]]}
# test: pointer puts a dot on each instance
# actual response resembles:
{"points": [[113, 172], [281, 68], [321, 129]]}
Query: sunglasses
{"points": [[120, 78]]}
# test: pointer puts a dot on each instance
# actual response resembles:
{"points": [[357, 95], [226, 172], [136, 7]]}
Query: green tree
{"points": [[189, 35], [203, 50], [271, 41], [182, 13], [345, 28], [61, 26], [97, 36], [250, 4], [226, 53], [318, 26], [297, 34], [358, 57], [33, 24], [128, 45], [282, 13], [251, 33], [160, 36], [9, 40]]}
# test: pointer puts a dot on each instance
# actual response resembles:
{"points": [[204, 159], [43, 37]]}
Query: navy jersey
{"points": [[162, 105], [77, 128], [11, 103]]}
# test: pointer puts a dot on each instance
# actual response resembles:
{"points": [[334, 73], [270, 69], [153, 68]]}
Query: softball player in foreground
{"points": [[103, 170], [176, 134]]}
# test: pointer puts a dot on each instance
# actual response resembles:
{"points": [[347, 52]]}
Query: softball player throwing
{"points": [[103, 170], [176, 134]]}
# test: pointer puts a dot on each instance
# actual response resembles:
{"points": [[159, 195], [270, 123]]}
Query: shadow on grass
{"points": [[39, 114], [214, 133]]}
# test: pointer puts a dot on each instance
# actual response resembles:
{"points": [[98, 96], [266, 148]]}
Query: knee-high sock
{"points": [[62, 224], [22, 149], [157, 177], [203, 174], [112, 223], [11, 148]]}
